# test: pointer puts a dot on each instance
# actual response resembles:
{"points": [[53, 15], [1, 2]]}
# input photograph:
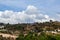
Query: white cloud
{"points": [[31, 14]]}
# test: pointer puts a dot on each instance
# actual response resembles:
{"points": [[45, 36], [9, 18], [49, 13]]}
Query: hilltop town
{"points": [[12, 31]]}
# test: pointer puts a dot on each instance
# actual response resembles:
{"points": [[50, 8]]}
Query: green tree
{"points": [[21, 37]]}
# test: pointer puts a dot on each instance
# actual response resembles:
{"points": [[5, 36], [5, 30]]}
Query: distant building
{"points": [[1, 27], [58, 30], [54, 32]]}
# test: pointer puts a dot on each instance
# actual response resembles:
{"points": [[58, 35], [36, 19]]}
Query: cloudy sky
{"points": [[23, 11]]}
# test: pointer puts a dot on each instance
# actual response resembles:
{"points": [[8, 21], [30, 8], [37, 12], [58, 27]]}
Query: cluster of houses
{"points": [[2, 26], [57, 31]]}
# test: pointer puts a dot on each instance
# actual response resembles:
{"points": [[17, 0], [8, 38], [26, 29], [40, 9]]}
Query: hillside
{"points": [[51, 27]]}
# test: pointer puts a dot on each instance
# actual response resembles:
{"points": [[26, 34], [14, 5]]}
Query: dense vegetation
{"points": [[34, 36]]}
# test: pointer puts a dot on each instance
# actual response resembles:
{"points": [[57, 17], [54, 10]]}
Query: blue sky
{"points": [[48, 7]]}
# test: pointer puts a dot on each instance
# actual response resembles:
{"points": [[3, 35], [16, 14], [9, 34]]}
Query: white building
{"points": [[1, 27]]}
